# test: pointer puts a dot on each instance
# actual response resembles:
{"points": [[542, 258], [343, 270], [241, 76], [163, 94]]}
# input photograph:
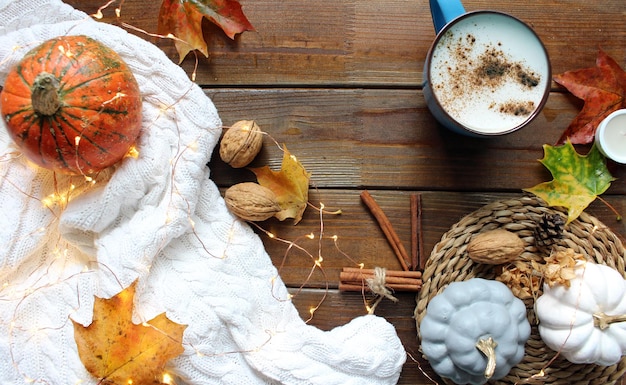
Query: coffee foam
{"points": [[485, 83]]}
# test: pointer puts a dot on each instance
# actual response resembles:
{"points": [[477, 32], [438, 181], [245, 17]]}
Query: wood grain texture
{"points": [[360, 240], [386, 138], [339, 82], [359, 43]]}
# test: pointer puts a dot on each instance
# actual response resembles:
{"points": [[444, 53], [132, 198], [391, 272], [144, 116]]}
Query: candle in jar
{"points": [[611, 136]]}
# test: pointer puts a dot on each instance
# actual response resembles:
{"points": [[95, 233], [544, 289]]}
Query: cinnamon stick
{"points": [[417, 253], [394, 287], [415, 257], [352, 277], [388, 273], [388, 230]]}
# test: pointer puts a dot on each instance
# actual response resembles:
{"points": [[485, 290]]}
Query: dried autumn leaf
{"points": [[560, 267], [525, 278], [521, 279], [183, 19], [578, 179], [290, 184], [603, 88], [115, 350]]}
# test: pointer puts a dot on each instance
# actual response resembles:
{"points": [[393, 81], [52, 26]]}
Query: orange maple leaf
{"points": [[183, 19], [603, 88], [290, 184], [117, 351]]}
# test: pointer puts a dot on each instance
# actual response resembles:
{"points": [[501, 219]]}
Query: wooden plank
{"points": [[359, 42], [339, 83], [359, 239], [387, 138], [441, 210]]}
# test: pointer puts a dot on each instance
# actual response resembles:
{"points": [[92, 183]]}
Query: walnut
{"points": [[495, 247], [241, 143], [251, 201]]}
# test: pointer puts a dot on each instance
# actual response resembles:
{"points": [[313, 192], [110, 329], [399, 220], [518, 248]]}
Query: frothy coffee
{"points": [[484, 82]]}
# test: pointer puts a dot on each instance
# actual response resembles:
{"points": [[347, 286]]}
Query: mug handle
{"points": [[444, 11]]}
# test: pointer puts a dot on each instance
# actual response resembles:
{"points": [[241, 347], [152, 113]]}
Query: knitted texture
{"points": [[158, 219]]}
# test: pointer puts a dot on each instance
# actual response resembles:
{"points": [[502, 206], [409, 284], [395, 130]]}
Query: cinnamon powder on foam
{"points": [[479, 79]]}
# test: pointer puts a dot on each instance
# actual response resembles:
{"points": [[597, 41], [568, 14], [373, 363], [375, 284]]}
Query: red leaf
{"points": [[183, 19], [603, 88]]}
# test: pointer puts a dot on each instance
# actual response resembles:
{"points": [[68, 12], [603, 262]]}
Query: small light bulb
{"points": [[167, 379], [133, 152]]}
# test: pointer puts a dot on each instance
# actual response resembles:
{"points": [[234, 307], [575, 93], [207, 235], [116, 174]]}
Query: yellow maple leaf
{"points": [[290, 184], [117, 351]]}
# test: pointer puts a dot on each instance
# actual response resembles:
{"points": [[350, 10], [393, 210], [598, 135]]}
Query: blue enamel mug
{"points": [[486, 74]]}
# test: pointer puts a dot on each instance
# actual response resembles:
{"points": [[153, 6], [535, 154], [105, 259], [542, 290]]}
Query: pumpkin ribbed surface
{"points": [[72, 105]]}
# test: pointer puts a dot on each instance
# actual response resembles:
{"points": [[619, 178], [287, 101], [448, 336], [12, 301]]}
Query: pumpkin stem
{"points": [[488, 348], [603, 321], [45, 95]]}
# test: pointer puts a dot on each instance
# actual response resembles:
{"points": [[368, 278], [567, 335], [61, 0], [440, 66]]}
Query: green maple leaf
{"points": [[578, 179]]}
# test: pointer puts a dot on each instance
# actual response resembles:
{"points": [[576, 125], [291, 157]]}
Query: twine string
{"points": [[377, 285]]}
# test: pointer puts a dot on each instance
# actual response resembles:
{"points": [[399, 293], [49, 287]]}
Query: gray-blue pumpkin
{"points": [[474, 331]]}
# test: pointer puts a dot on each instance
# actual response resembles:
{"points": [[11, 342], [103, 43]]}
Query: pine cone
{"points": [[549, 230]]}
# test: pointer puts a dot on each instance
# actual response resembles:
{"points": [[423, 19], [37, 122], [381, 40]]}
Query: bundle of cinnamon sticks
{"points": [[407, 279], [354, 279]]}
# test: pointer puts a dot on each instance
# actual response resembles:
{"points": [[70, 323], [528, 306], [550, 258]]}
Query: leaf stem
{"points": [[323, 210], [618, 216]]}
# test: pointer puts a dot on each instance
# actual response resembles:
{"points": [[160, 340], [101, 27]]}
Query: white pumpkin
{"points": [[586, 322]]}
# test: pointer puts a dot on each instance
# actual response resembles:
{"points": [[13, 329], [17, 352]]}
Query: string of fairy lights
{"points": [[66, 188]]}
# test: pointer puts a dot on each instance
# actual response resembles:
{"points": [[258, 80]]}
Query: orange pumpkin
{"points": [[72, 105]]}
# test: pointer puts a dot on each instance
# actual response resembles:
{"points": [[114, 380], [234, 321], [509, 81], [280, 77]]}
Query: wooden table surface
{"points": [[339, 82]]}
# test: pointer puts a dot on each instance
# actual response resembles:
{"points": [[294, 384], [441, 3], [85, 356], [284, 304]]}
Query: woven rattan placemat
{"points": [[448, 262]]}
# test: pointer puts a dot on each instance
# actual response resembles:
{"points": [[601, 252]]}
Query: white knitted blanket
{"points": [[161, 220]]}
